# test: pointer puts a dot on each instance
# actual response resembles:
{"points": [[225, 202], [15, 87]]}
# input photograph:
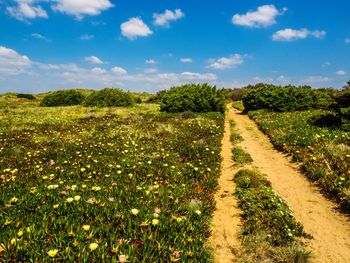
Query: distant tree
{"points": [[347, 86]]}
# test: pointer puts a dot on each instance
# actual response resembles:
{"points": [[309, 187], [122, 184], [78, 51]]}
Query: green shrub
{"points": [[26, 96], [157, 98], [63, 98], [193, 97], [287, 98], [109, 98], [240, 156]]}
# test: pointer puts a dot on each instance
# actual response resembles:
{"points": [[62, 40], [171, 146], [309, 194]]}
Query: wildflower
{"points": [[134, 211], [69, 200], [20, 233], [14, 200], [96, 188], [77, 197], [179, 219], [84, 186], [123, 258], [55, 206], [52, 253], [155, 215], [93, 246], [198, 212], [155, 222], [86, 227]]}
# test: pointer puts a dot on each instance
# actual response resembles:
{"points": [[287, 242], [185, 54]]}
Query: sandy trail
{"points": [[330, 229], [226, 218]]}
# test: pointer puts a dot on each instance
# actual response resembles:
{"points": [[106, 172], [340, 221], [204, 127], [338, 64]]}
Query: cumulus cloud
{"points": [[94, 60], [151, 70], [347, 40], [12, 63], [316, 79], [151, 61], [40, 36], [340, 73], [226, 62], [25, 9], [86, 37], [289, 34], [135, 28], [264, 16], [81, 8], [186, 60], [119, 71], [165, 18]]}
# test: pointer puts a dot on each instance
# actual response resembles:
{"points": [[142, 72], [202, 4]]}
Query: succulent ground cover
{"points": [[85, 186]]}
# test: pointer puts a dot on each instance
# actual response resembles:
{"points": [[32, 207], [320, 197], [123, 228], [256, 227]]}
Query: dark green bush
{"points": [[193, 97], [25, 96], [157, 98], [109, 98], [287, 98], [63, 98]]}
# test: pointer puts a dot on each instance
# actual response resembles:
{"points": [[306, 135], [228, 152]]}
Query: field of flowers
{"points": [[83, 186], [323, 151]]}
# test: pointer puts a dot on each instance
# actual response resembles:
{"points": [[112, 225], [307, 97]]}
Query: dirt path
{"points": [[226, 218], [330, 229]]}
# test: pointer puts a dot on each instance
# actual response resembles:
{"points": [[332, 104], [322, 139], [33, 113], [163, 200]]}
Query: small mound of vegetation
{"points": [[109, 98], [63, 98], [25, 96], [289, 98], [193, 97], [267, 220], [240, 156]]}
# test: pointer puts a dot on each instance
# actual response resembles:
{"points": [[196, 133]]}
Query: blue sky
{"points": [[149, 45]]}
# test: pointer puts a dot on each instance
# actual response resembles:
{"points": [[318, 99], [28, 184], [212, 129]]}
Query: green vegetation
{"points": [[26, 96], [270, 231], [193, 97], [235, 136], [238, 105], [63, 98], [80, 184], [240, 156], [287, 98], [109, 98], [323, 151]]}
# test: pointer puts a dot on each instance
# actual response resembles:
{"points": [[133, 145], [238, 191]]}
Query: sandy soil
{"points": [[226, 218], [329, 228]]}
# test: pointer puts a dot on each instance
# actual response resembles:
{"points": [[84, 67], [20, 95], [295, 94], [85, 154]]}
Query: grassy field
{"points": [[323, 151], [93, 185]]}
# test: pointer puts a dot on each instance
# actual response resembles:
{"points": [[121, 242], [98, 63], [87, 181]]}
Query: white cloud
{"points": [[326, 64], [347, 40], [289, 34], [164, 18], [40, 36], [119, 71], [94, 60], [226, 62], [26, 10], [98, 70], [316, 79], [81, 8], [198, 76], [340, 73], [151, 61], [186, 60], [264, 16], [86, 37], [12, 63], [134, 28], [151, 70]]}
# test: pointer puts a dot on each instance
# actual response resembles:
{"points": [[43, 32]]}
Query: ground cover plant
{"points": [[97, 186], [323, 151], [270, 231], [240, 157], [192, 97]]}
